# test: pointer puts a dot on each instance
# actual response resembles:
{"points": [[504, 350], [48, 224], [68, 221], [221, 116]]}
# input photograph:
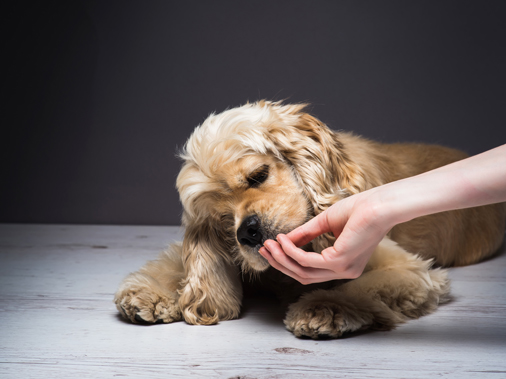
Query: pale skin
{"points": [[361, 221]]}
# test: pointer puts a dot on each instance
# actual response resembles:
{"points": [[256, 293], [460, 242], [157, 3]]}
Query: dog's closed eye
{"points": [[258, 177]]}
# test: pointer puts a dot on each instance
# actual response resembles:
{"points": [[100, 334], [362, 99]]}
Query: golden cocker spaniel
{"points": [[262, 169]]}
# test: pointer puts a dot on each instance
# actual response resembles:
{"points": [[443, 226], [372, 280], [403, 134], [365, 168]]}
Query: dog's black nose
{"points": [[249, 233]]}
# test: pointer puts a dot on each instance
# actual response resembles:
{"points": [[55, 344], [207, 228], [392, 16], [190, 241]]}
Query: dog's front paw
{"points": [[142, 306], [325, 319], [317, 321]]}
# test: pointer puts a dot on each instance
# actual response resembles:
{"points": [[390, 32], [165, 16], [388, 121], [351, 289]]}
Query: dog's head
{"points": [[255, 171]]}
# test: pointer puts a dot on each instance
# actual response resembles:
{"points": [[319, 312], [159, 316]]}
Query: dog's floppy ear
{"points": [[211, 290], [322, 163]]}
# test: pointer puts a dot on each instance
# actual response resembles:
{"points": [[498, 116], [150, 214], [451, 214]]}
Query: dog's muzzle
{"points": [[249, 233]]}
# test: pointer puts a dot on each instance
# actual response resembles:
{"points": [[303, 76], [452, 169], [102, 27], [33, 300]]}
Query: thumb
{"points": [[325, 222]]}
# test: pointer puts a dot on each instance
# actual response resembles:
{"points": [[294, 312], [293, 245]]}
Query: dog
{"points": [[265, 168]]}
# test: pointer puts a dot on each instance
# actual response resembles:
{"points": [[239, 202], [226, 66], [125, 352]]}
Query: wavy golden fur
{"points": [[265, 168]]}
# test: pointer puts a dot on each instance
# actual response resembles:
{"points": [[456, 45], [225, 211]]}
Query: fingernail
{"points": [[271, 241]]}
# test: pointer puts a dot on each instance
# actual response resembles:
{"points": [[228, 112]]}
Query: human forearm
{"points": [[475, 181]]}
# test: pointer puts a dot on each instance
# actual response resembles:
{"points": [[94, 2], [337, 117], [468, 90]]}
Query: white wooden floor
{"points": [[57, 320]]}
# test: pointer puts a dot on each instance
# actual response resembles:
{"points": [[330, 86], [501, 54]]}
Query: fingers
{"points": [[303, 258], [280, 261], [274, 263], [307, 267]]}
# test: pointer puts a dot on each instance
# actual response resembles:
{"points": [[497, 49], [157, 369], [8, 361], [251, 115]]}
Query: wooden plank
{"points": [[57, 319]]}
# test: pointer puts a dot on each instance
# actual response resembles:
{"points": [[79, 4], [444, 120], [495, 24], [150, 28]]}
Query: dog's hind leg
{"points": [[396, 286], [150, 294]]}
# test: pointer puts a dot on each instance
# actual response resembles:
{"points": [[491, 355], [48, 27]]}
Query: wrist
{"points": [[383, 207], [421, 195]]}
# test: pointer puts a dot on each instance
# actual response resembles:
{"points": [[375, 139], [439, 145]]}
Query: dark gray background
{"points": [[98, 95]]}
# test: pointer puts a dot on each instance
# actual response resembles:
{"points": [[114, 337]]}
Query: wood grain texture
{"points": [[57, 320]]}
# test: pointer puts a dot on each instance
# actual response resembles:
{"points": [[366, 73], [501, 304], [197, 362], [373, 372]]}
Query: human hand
{"points": [[359, 223]]}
